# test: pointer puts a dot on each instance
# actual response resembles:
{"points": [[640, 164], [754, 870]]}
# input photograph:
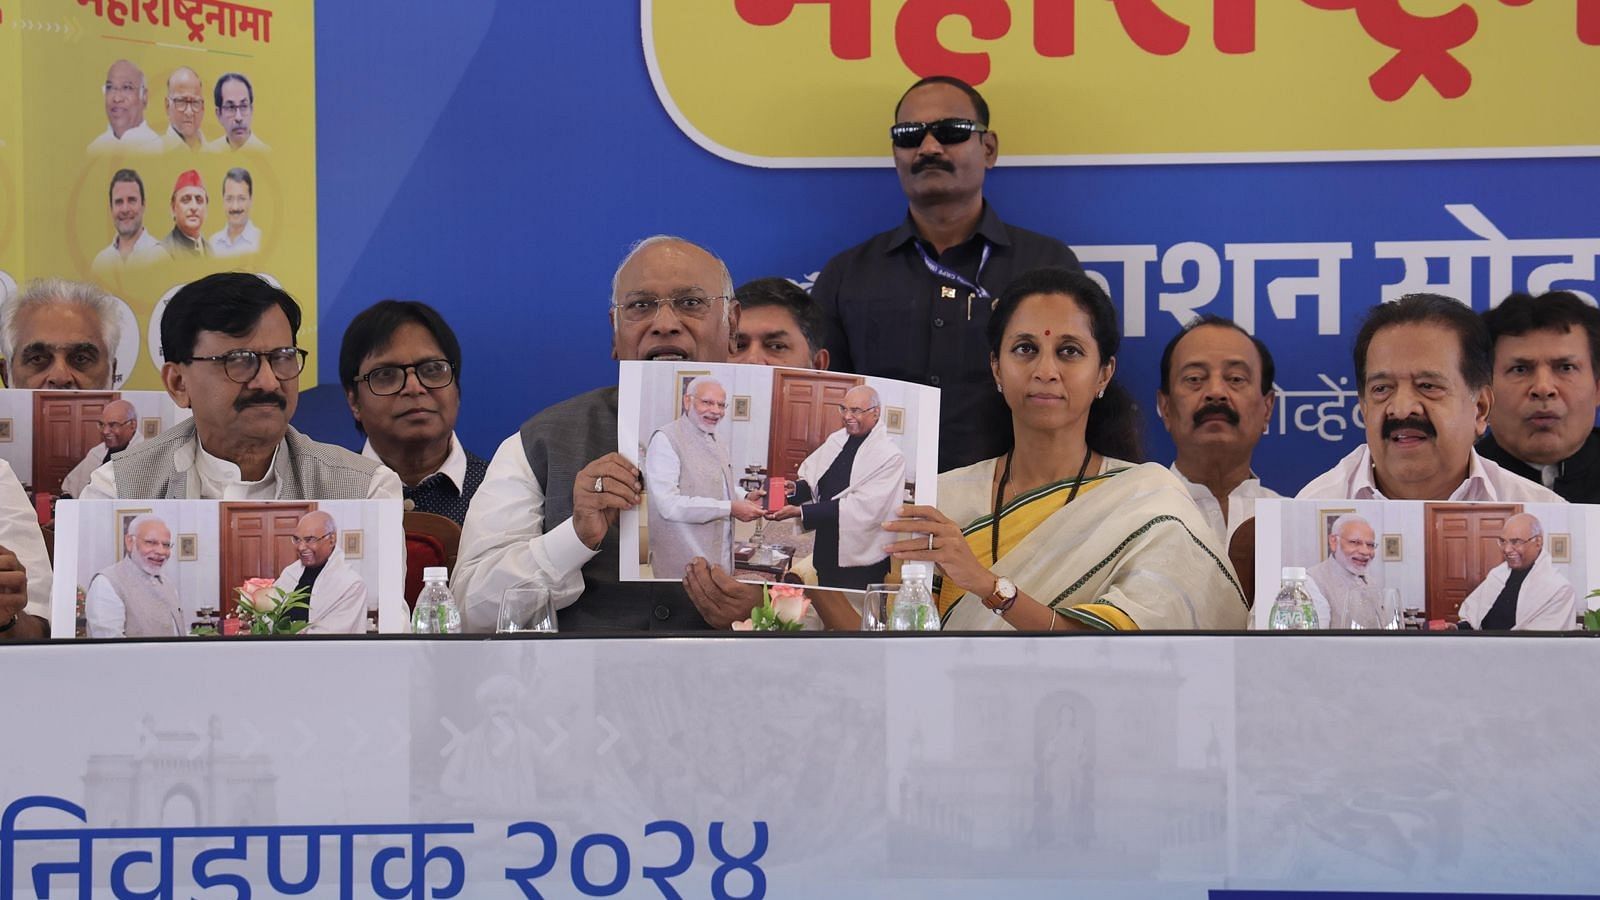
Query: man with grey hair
{"points": [[693, 499], [186, 110], [60, 335], [546, 514], [1524, 593], [119, 430], [126, 97], [338, 596], [847, 488], [1337, 585], [135, 596]]}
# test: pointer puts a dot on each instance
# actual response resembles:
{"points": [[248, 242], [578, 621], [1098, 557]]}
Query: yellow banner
{"points": [[10, 157], [116, 95], [814, 82]]}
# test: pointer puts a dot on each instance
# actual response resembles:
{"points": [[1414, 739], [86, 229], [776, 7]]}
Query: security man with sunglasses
{"points": [[398, 364], [229, 345], [912, 303]]}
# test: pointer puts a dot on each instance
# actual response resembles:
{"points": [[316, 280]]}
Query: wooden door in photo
{"points": [[257, 542], [805, 410], [1461, 550], [65, 425]]}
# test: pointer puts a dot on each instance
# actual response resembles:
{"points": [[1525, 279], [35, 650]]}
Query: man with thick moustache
{"points": [[1215, 400], [1422, 366], [229, 343], [913, 303], [547, 511], [1546, 388], [1524, 593]]}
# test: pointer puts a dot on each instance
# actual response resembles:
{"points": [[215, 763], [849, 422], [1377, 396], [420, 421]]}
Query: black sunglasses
{"points": [[909, 135]]}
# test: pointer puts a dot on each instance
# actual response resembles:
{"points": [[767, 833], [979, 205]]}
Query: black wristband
{"points": [[15, 617]]}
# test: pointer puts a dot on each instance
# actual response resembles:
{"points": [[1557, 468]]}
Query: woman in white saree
{"points": [[1062, 532]]}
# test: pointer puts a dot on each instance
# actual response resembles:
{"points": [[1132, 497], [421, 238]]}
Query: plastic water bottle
{"points": [[914, 609], [437, 612], [1293, 610]]}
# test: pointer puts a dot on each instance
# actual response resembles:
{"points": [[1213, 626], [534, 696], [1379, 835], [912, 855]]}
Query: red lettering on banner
{"points": [[1589, 22], [1233, 26], [1150, 28], [229, 18], [916, 35], [849, 22], [1423, 44], [1055, 31]]}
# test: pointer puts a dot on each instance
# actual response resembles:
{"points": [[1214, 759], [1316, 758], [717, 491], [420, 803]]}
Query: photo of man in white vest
{"points": [[338, 595], [135, 597], [692, 497]]}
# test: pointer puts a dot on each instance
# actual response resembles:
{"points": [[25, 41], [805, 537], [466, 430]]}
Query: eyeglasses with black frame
{"points": [[688, 306], [432, 374], [909, 135], [241, 366]]}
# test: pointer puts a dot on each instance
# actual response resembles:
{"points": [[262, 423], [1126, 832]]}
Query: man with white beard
{"points": [[1336, 583], [135, 597]]}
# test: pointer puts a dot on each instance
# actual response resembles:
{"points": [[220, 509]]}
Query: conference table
{"points": [[803, 765]]}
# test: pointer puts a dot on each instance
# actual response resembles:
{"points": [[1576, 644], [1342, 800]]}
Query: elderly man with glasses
{"points": [[398, 365], [547, 513], [119, 430], [847, 488], [338, 596], [229, 344], [1524, 593], [913, 303]]}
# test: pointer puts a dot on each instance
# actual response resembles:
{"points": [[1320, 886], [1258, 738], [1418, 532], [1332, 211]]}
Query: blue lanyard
{"points": [[942, 272]]}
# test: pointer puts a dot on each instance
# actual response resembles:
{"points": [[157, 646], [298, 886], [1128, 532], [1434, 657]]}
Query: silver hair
{"points": [[643, 244], [698, 382], [1537, 528], [1338, 524], [46, 291], [876, 400], [143, 519]]}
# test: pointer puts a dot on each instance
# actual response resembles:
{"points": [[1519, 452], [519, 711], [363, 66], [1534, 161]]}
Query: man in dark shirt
{"points": [[913, 303], [1546, 386]]}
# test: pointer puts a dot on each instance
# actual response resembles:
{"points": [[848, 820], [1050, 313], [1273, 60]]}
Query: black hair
{"points": [[240, 175], [229, 302], [216, 90], [124, 176], [373, 328], [786, 295], [1555, 311], [1477, 352], [979, 105], [1268, 370], [1115, 425]]}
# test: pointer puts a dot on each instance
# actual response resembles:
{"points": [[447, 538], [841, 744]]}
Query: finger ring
{"points": [[599, 484], [930, 542]]}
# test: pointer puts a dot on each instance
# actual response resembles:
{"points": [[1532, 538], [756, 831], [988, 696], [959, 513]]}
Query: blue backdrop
{"points": [[496, 159]]}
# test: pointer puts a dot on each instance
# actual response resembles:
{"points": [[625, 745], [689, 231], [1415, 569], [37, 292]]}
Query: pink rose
{"points": [[789, 603], [746, 625], [257, 593]]}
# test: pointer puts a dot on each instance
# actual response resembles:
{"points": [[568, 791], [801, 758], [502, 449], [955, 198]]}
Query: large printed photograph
{"points": [[171, 568], [1373, 564], [776, 475]]}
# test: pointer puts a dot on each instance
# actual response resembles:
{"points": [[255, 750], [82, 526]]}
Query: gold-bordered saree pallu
{"points": [[1131, 552]]}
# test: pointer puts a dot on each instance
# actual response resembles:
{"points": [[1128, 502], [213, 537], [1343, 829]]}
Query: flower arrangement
{"points": [[783, 608], [264, 609]]}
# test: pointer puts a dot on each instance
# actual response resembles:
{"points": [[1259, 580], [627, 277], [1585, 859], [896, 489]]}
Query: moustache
{"points": [[931, 162], [259, 398], [1417, 423], [1223, 409]]}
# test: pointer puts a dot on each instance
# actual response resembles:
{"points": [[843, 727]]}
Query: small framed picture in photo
{"points": [[1391, 548], [352, 544], [188, 547], [741, 409], [894, 419]]}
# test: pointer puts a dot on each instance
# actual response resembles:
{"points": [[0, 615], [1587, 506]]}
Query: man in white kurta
{"points": [[1524, 593], [126, 96], [119, 430], [846, 489], [692, 497], [338, 595], [1340, 586]]}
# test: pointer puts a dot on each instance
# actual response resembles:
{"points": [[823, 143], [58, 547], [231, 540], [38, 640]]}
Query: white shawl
{"points": [[338, 597], [875, 492], [1546, 602]]}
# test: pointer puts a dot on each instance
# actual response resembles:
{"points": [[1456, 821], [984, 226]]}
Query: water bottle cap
{"points": [[1294, 573], [436, 573], [922, 570]]}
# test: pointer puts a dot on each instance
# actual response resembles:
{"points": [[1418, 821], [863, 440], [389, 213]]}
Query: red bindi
{"points": [[1047, 332]]}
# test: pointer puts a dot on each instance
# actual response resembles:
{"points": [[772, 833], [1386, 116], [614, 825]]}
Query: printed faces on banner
{"points": [[174, 568], [1380, 564], [772, 474]]}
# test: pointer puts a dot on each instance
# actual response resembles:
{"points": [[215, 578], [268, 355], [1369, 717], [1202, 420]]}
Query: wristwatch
{"points": [[1003, 595]]}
